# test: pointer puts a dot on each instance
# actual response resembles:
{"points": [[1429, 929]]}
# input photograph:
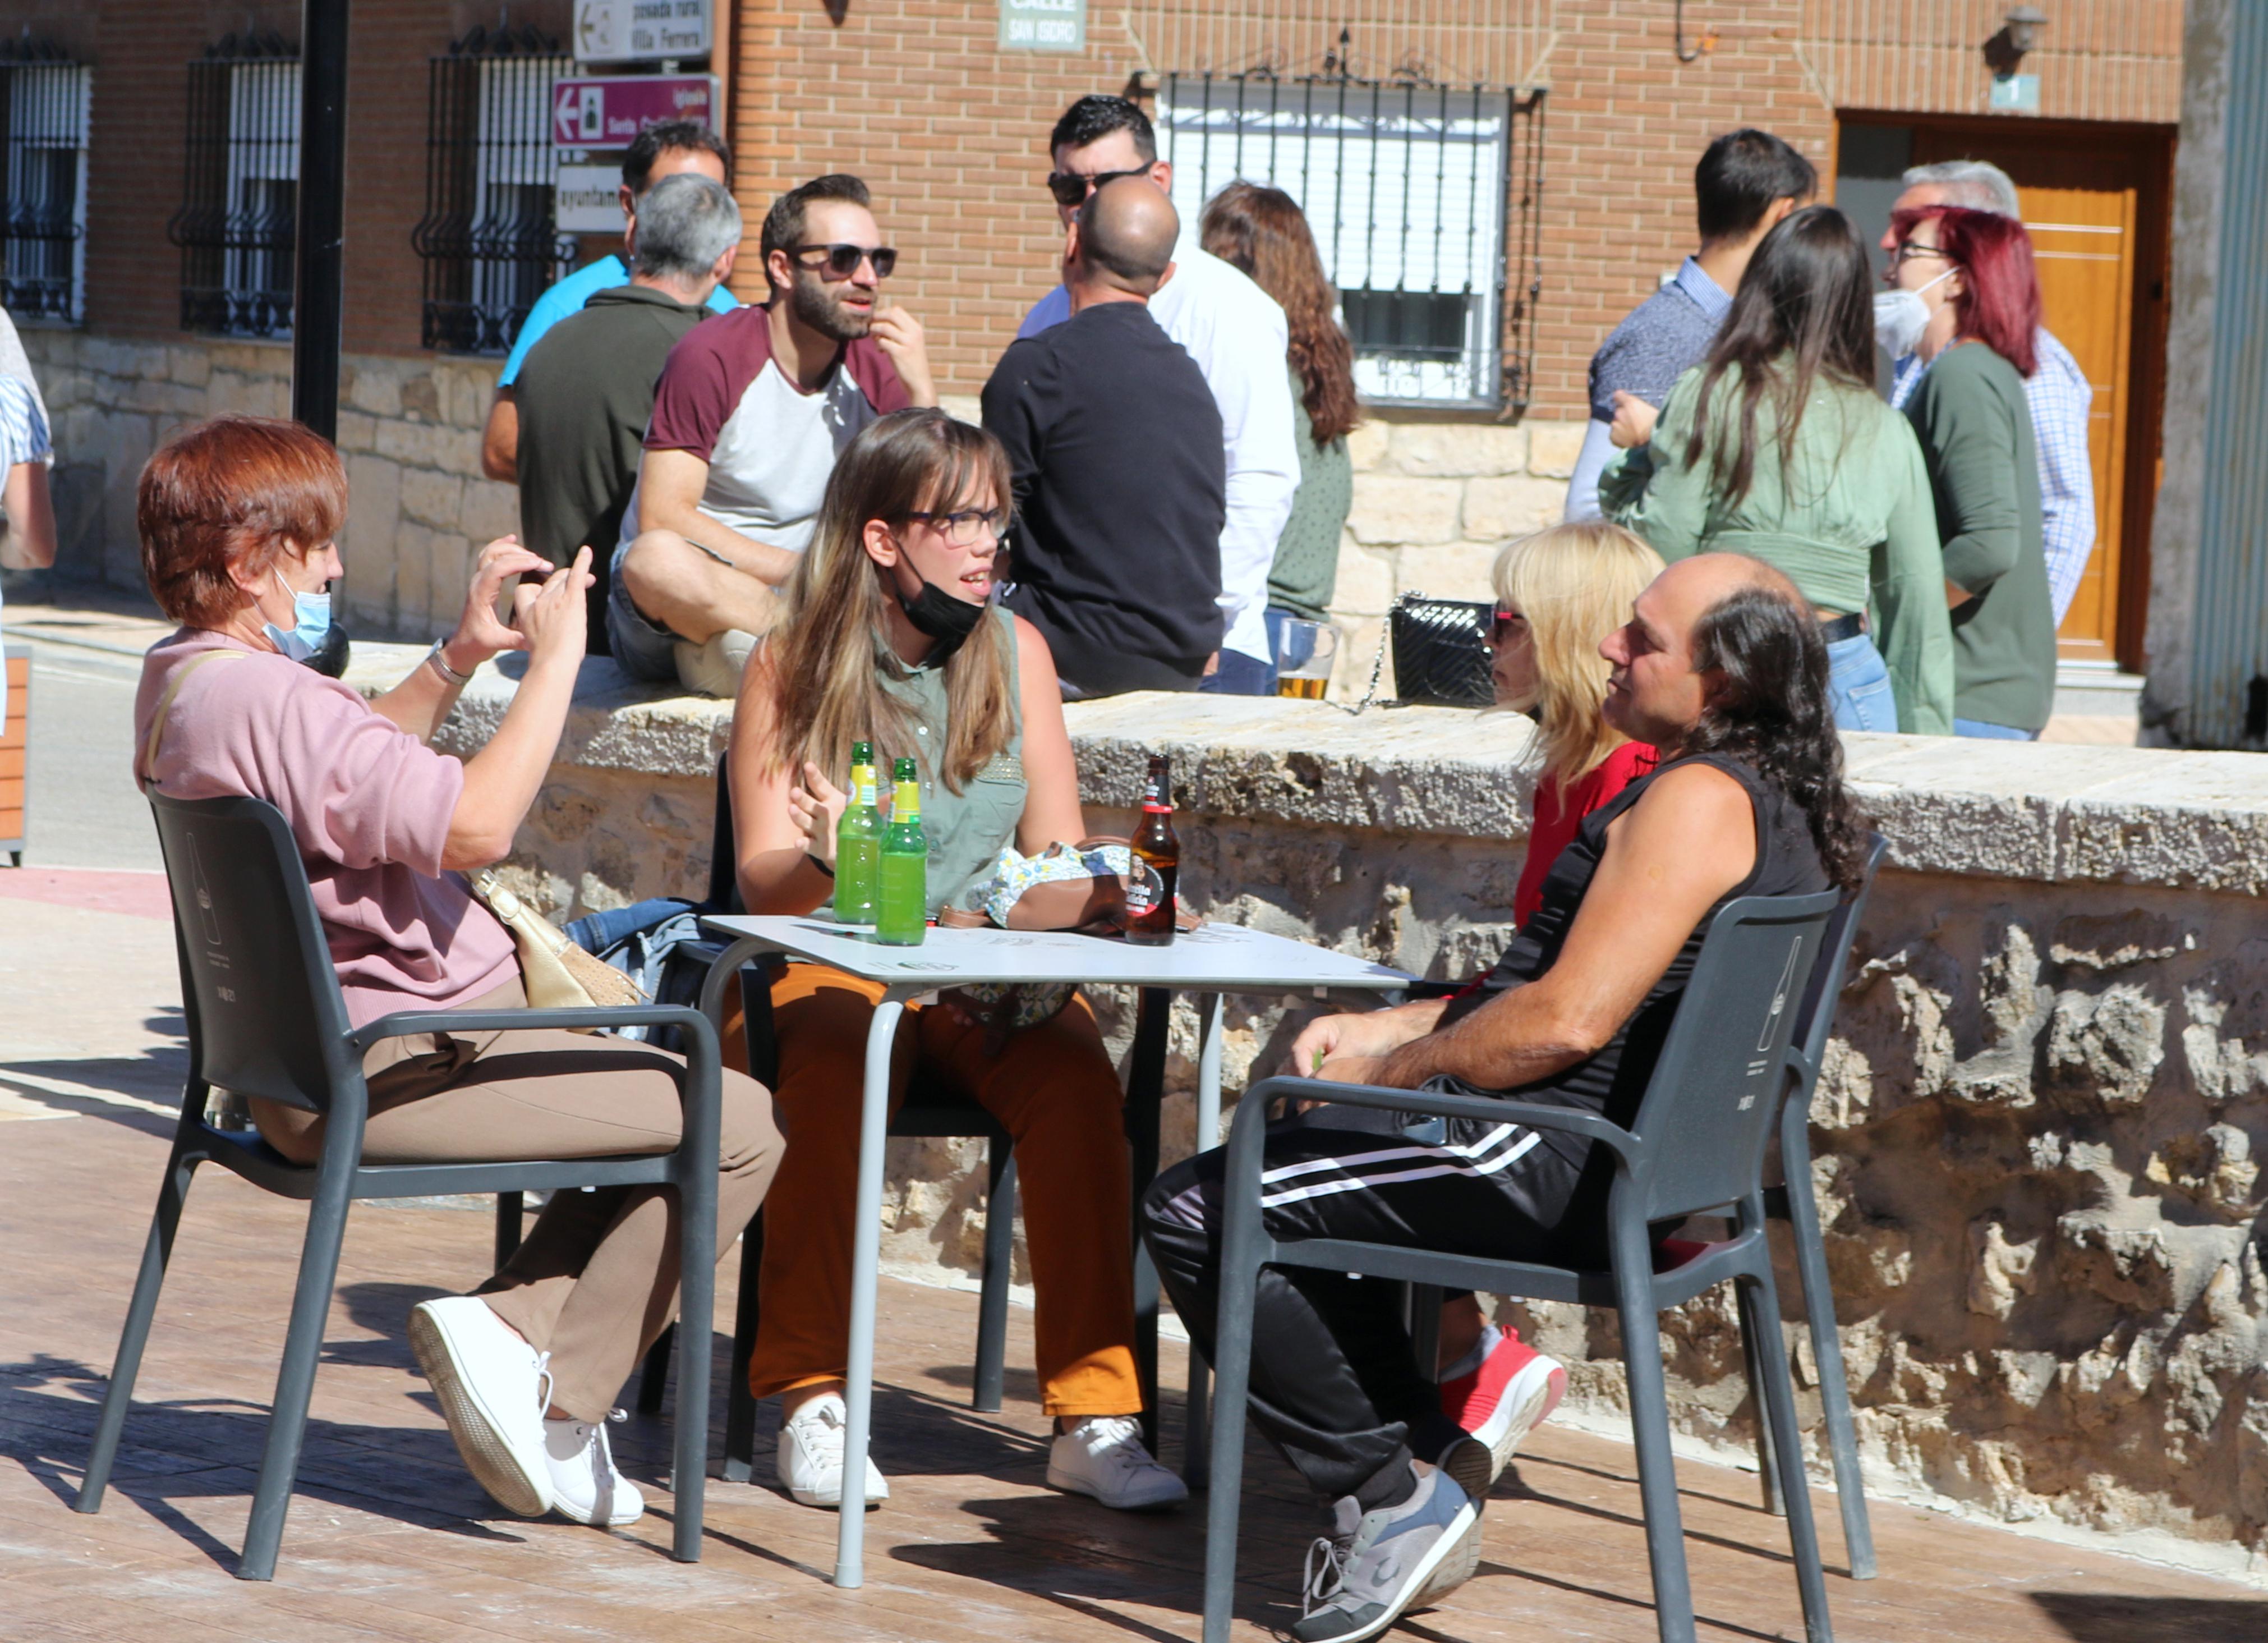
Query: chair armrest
{"points": [[1481, 1108], [404, 1023]]}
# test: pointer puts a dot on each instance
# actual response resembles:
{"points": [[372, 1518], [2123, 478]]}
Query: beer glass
{"points": [[1305, 651]]}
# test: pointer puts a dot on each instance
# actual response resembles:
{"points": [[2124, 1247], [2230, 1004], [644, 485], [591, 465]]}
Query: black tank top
{"points": [[1613, 1081]]}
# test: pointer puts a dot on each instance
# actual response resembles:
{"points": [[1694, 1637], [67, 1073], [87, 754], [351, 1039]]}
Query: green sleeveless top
{"points": [[967, 830]]}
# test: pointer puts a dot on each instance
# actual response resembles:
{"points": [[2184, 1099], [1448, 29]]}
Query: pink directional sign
{"points": [[609, 112]]}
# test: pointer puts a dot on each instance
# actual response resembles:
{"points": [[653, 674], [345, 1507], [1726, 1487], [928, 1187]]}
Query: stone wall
{"points": [[409, 428], [2038, 1137]]}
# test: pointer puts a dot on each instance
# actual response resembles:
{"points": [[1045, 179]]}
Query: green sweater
{"points": [[1976, 431], [1307, 567], [1850, 522]]}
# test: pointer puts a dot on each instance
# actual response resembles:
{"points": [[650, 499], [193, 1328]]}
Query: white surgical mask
{"points": [[1900, 318]]}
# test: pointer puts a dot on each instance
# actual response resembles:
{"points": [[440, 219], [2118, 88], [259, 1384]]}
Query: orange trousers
{"points": [[1053, 1090]]}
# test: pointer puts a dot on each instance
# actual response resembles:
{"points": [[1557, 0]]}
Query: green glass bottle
{"points": [[902, 905], [858, 842]]}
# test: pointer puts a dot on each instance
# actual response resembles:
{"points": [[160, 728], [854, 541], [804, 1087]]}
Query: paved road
{"points": [[86, 811]]}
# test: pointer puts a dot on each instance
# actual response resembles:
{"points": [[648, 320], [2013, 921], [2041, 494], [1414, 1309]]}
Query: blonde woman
{"points": [[1558, 593], [891, 635]]}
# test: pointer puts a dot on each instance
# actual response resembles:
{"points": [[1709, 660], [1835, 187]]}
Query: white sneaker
{"points": [[1103, 1456], [584, 1486], [714, 667], [810, 1455], [490, 1384]]}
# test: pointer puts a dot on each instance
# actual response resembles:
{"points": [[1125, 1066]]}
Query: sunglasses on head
{"points": [[1070, 189], [843, 261]]}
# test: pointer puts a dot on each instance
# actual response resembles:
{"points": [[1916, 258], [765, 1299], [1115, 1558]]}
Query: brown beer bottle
{"points": [[1149, 896]]}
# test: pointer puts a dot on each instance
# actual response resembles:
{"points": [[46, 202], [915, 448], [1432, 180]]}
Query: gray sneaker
{"points": [[1379, 1565]]}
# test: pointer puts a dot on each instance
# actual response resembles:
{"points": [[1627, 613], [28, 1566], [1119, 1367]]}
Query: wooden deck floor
{"points": [[389, 1538]]}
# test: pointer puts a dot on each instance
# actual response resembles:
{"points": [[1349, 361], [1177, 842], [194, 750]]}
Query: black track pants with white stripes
{"points": [[1333, 1384]]}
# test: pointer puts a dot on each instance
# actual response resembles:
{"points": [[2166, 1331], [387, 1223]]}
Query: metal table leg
{"points": [[1146, 1093], [865, 1258], [1196, 1457]]}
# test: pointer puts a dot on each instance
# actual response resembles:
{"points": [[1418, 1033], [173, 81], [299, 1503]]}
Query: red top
{"points": [[1557, 815]]}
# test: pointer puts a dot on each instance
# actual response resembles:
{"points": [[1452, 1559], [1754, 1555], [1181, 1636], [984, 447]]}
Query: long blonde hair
{"points": [[828, 655], [1575, 583]]}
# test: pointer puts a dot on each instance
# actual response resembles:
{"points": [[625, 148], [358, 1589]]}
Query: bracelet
{"points": [[822, 865], [441, 666]]}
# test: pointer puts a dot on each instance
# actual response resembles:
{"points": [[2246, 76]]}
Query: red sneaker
{"points": [[1511, 1394]]}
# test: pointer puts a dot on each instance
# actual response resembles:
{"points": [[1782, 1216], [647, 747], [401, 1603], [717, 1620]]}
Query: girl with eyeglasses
{"points": [[890, 635]]}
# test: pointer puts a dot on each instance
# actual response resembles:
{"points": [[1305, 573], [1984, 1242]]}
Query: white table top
{"points": [[1214, 958]]}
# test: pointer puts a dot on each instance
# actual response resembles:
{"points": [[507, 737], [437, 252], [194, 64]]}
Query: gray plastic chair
{"points": [[265, 1018], [927, 1110], [1697, 1146]]}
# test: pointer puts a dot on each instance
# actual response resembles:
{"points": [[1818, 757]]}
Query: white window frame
{"points": [[263, 149], [1405, 188]]}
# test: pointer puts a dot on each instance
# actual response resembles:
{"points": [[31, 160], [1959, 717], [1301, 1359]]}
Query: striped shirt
{"points": [[2060, 396], [23, 438]]}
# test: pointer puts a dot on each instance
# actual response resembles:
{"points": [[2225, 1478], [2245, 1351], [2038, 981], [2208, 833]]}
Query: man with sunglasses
{"points": [[1237, 335], [751, 412]]}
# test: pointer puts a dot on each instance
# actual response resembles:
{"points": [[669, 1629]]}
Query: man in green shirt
{"points": [[585, 392]]}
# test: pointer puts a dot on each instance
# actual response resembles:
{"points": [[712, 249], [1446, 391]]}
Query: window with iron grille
{"points": [[43, 266], [489, 239], [1424, 200], [240, 192]]}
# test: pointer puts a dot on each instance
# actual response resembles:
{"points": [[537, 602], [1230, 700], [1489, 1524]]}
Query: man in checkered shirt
{"points": [[2058, 392]]}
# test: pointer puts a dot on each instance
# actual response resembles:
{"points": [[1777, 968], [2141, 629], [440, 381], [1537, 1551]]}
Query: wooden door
{"points": [[2095, 202]]}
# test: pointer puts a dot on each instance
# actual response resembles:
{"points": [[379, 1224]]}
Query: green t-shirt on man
{"points": [[586, 394]]}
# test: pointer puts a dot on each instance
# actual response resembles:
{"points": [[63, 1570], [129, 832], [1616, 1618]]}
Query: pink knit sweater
{"points": [[368, 803]]}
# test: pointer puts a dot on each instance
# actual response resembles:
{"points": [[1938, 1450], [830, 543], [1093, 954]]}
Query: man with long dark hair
{"points": [[1721, 668]]}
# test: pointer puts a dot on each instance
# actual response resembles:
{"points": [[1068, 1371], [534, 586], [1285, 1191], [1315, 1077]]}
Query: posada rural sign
{"points": [[625, 30], [610, 112]]}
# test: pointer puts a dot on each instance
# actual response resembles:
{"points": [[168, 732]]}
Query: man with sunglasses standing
{"points": [[1237, 335], [751, 412]]}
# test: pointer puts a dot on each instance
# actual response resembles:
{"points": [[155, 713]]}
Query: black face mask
{"points": [[947, 620]]}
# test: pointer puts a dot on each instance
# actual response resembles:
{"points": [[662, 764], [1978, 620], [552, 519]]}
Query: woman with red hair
{"points": [[1972, 272]]}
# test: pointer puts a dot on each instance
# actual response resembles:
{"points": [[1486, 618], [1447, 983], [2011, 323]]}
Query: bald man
{"points": [[1720, 661], [1116, 462]]}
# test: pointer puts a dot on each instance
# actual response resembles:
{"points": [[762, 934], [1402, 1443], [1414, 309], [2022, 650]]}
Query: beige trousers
{"points": [[596, 1283]]}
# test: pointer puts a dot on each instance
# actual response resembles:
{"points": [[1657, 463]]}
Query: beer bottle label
{"points": [[1145, 887]]}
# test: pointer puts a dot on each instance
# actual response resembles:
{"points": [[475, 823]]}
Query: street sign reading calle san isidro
{"points": [[634, 31], [609, 111], [1043, 24]]}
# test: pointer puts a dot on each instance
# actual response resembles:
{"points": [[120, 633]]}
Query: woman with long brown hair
{"points": [[891, 637], [1261, 231]]}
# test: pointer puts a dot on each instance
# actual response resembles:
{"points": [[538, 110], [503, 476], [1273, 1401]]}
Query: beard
{"points": [[808, 301]]}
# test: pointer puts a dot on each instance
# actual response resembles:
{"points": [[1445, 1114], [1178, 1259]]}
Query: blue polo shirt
{"points": [[569, 296]]}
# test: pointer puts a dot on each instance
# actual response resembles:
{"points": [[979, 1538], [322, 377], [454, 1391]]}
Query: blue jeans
{"points": [[1984, 731], [1248, 675], [1859, 686], [645, 650]]}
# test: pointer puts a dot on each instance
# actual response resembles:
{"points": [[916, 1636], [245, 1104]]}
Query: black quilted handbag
{"points": [[1440, 652]]}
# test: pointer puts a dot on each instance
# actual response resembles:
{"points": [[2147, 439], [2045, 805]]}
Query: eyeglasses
{"points": [[965, 527], [1070, 189], [843, 261], [1909, 250], [1501, 622]]}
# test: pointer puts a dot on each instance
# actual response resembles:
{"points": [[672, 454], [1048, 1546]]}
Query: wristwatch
{"points": [[441, 666]]}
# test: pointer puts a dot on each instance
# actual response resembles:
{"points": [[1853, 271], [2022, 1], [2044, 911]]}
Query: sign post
{"points": [[609, 111], [632, 31], [1043, 24]]}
